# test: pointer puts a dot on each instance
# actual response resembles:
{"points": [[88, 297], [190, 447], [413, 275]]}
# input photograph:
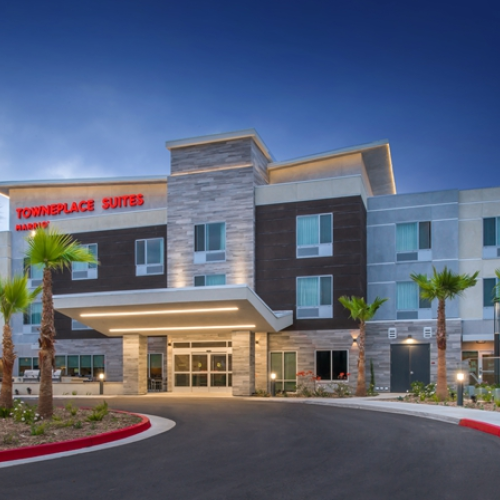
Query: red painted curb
{"points": [[76, 444], [480, 426]]}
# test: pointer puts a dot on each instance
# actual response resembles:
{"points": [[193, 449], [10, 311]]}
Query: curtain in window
{"points": [[407, 296], [36, 313], [406, 237], [307, 292], [307, 230], [216, 279], [36, 272]]}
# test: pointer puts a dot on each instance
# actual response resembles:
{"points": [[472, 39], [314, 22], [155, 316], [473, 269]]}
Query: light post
{"points": [[273, 384], [496, 338], [460, 388], [101, 383]]}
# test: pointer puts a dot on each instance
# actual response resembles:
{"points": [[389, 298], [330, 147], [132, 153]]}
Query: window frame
{"points": [[207, 256], [324, 249], [142, 269], [423, 305], [283, 380], [30, 327], [420, 252], [325, 311], [205, 276], [89, 268], [491, 251], [331, 379], [33, 282]]}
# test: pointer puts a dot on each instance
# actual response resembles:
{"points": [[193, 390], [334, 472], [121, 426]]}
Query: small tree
{"points": [[14, 298], [362, 312], [442, 286], [54, 251]]}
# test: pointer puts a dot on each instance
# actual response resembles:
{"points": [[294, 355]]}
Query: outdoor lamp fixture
{"points": [[410, 340], [354, 340], [273, 384], [460, 388], [101, 383]]}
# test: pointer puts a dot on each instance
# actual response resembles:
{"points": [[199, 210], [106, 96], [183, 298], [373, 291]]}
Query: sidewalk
{"points": [[485, 421]]}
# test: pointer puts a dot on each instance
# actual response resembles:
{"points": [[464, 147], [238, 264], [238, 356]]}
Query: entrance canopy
{"points": [[173, 310]]}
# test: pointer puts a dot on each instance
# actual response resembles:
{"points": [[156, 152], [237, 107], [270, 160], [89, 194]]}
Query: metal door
{"points": [[409, 363]]}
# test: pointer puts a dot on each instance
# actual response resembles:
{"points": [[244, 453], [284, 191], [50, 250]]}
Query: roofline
{"points": [[144, 179], [206, 139], [330, 154]]}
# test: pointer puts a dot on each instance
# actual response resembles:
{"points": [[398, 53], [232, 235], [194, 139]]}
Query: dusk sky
{"points": [[95, 88]]}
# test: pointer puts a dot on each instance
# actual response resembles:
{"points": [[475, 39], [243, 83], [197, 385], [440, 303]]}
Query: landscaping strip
{"points": [[75, 444], [480, 426]]}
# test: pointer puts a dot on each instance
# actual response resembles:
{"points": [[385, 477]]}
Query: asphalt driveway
{"points": [[225, 448]]}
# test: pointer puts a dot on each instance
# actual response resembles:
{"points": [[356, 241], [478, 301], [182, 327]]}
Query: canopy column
{"points": [[135, 364], [243, 363]]}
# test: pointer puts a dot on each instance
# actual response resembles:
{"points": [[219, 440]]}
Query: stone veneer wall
{"points": [[305, 343], [378, 346], [135, 349], [243, 363], [212, 196]]}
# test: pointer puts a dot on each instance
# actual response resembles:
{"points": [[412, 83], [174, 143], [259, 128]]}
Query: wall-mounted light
{"points": [[410, 340]]}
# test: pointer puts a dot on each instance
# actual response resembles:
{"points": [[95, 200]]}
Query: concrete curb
{"points": [[480, 426], [75, 444]]}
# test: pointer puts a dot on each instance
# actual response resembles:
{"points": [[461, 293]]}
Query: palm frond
{"points": [[359, 309], [15, 296], [444, 284], [52, 249]]}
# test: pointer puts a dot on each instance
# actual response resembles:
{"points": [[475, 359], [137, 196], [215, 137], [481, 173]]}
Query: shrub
{"points": [[38, 430], [22, 412], [5, 412], [99, 412], [71, 408]]}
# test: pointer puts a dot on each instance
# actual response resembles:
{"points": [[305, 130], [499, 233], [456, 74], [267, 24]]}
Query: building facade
{"points": [[231, 267]]}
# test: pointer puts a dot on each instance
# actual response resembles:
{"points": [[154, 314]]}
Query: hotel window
{"points": [[27, 364], [409, 303], [314, 236], [35, 274], [85, 365], [149, 257], [210, 280], [315, 297], [85, 270], [332, 365], [209, 242], [284, 365], [491, 238], [32, 317], [413, 241], [490, 292]]}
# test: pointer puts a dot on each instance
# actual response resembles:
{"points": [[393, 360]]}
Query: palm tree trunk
{"points": [[8, 358], [47, 351], [442, 386], [361, 386]]}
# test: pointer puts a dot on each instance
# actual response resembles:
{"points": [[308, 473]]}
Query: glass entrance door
{"points": [[203, 372]]}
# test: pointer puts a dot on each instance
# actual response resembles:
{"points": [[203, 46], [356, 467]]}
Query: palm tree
{"points": [[14, 298], [363, 312], [442, 286], [54, 251]]}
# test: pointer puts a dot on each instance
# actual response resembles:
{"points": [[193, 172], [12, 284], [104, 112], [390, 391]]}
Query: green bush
{"points": [[99, 412], [71, 409], [5, 412], [22, 412], [38, 430]]}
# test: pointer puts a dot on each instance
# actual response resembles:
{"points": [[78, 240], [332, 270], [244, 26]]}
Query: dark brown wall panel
{"points": [[277, 266], [116, 254]]}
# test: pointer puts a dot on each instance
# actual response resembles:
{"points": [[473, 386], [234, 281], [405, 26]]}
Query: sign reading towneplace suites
{"points": [[55, 209]]}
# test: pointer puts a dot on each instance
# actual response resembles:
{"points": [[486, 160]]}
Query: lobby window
{"points": [[27, 364], [85, 365], [315, 297], [85, 270], [32, 317], [284, 364], [413, 241], [409, 302], [209, 242], [149, 257], [35, 274], [332, 365], [210, 280], [314, 236], [491, 237]]}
